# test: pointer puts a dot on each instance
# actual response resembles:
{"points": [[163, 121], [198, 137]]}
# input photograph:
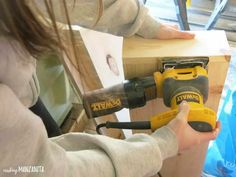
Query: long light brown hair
{"points": [[19, 21]]}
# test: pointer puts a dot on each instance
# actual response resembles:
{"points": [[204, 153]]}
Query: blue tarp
{"points": [[221, 157]]}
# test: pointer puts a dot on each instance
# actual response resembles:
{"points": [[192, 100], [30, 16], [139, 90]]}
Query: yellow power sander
{"points": [[178, 79]]}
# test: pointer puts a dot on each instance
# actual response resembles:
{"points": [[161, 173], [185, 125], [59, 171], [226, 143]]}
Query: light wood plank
{"points": [[84, 78], [141, 58]]}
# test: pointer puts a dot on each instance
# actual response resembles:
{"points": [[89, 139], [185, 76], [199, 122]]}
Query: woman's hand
{"points": [[173, 32], [186, 135]]}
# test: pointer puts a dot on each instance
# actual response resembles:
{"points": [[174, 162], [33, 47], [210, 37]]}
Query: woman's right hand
{"points": [[186, 135]]}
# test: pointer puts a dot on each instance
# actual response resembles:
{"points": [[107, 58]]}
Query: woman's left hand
{"points": [[173, 32]]}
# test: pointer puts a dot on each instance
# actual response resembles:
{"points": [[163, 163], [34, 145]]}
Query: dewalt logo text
{"points": [[106, 104], [189, 97]]}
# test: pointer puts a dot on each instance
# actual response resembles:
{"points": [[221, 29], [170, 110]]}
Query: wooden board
{"points": [[141, 57], [84, 78]]}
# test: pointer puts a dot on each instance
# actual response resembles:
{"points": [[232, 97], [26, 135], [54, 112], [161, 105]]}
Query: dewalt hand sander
{"points": [[177, 80]]}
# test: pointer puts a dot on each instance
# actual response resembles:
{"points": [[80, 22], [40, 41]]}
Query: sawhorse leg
{"points": [[219, 8], [181, 12]]}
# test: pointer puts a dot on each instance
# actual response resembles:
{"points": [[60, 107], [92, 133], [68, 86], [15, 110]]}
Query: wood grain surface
{"points": [[142, 58]]}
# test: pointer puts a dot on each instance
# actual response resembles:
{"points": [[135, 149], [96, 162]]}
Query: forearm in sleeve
{"points": [[24, 143], [119, 17], [141, 155]]}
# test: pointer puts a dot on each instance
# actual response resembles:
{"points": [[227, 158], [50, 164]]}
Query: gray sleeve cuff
{"points": [[149, 27], [167, 142]]}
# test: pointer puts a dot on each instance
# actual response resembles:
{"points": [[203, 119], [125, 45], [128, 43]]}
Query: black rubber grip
{"points": [[129, 125]]}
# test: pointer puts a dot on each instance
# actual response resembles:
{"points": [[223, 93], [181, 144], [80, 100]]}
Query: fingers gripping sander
{"points": [[177, 80]]}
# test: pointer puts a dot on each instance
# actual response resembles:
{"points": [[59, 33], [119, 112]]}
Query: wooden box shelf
{"points": [[141, 57]]}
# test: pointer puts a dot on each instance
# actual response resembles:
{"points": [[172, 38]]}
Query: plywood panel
{"points": [[205, 43], [142, 57], [84, 77]]}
